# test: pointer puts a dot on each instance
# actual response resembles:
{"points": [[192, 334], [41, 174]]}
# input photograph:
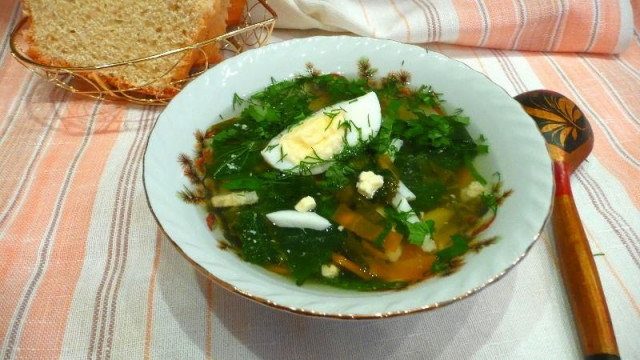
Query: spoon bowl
{"points": [[565, 128]]}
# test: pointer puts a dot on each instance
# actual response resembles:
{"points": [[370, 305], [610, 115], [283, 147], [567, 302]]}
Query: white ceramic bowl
{"points": [[517, 151]]}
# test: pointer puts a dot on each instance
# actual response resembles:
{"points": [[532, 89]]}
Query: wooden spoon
{"points": [[569, 141]]}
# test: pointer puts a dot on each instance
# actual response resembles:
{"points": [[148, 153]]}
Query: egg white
{"points": [[297, 219]]}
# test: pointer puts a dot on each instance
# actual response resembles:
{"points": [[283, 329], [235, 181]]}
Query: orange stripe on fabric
{"points": [[635, 8], [22, 240], [106, 306], [470, 24], [13, 247], [503, 27], [366, 18], [14, 133], [31, 127], [9, 8], [604, 102], [608, 27], [152, 286], [50, 308], [616, 121], [576, 38], [540, 27], [598, 99], [626, 88], [404, 19], [13, 75]]}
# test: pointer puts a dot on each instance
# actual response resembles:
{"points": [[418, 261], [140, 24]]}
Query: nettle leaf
{"points": [[383, 141], [234, 159], [244, 183], [307, 250], [258, 247]]}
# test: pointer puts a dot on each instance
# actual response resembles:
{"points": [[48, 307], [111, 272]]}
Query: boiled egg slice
{"points": [[297, 219], [317, 139]]}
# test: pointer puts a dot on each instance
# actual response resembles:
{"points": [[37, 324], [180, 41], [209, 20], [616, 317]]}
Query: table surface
{"points": [[85, 271]]}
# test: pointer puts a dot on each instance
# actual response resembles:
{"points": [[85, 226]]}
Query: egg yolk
{"points": [[320, 136]]}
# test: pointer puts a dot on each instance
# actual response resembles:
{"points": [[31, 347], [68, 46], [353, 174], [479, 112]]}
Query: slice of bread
{"points": [[90, 33]]}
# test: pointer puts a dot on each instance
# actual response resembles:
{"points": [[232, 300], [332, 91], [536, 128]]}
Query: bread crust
{"points": [[217, 25], [236, 11], [210, 23]]}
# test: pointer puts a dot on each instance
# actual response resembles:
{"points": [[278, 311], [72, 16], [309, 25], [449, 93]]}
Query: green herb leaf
{"points": [[244, 183], [229, 132], [383, 140], [419, 230], [417, 171], [459, 118], [439, 266], [307, 250], [398, 218], [351, 282], [257, 246], [233, 159], [490, 201], [262, 113], [383, 234], [237, 101], [474, 172], [338, 175], [482, 149], [428, 195], [282, 191], [459, 247]]}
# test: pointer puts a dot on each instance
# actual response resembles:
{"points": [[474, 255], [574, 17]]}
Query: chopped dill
{"points": [[237, 101], [282, 154]]}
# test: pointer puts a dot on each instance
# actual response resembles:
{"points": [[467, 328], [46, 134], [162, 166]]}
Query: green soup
{"points": [[371, 242]]}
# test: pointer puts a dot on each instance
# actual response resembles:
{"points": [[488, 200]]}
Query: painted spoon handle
{"points": [[580, 274]]}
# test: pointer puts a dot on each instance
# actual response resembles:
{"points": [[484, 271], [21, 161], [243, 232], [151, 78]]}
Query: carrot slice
{"points": [[413, 265], [278, 269], [364, 228], [350, 265], [371, 250]]}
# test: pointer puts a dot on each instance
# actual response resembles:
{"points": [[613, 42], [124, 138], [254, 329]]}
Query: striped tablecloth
{"points": [[86, 273]]}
